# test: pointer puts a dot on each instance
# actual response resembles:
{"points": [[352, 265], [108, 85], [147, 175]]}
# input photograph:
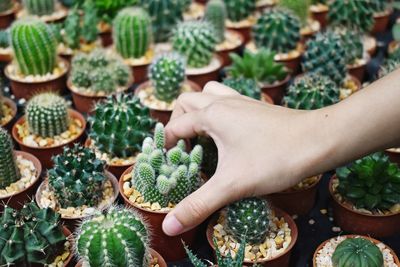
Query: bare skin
{"points": [[264, 148]]}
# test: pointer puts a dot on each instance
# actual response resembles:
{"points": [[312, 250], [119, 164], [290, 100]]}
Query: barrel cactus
{"points": [[39, 7], [9, 172], [239, 10], [6, 5], [216, 14], [4, 39], [244, 86], [352, 43], [300, 8], [379, 6]]}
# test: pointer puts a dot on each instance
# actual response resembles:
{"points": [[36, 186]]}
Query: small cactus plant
{"points": [[89, 31], [9, 172], [196, 41], [352, 43], [72, 29], [39, 7], [77, 177], [239, 10], [215, 13], [116, 238], [244, 86], [166, 176], [379, 5], [388, 66], [47, 115], [4, 39], [167, 74], [6, 5], [300, 8]]}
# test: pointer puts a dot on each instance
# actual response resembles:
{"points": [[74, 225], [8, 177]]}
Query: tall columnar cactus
{"points": [[132, 32], [119, 125], [216, 14], [47, 115], [118, 238], [30, 236], [34, 46], [39, 7], [277, 30], [167, 74], [6, 5], [9, 172], [326, 56], [196, 41], [239, 10], [357, 251], [77, 177], [352, 43], [244, 86], [166, 176]]}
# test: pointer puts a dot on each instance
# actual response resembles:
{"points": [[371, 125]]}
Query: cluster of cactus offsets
{"points": [[244, 86], [325, 56], [119, 125], [30, 236], [278, 30], [47, 115], [300, 8], [34, 46], [77, 177], [357, 251], [248, 219], [389, 66], [132, 32], [356, 14], [9, 172], [196, 41], [166, 176], [352, 43], [239, 10], [39, 7], [117, 238], [167, 74], [4, 39], [215, 13], [312, 91], [6, 5]]}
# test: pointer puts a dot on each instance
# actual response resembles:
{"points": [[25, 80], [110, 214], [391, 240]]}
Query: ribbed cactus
{"points": [[379, 5], [167, 74], [359, 252], [4, 39], [77, 177], [132, 32], [389, 66], [277, 30], [312, 91], [352, 43], [216, 14], [249, 219], [300, 8], [39, 7], [118, 238], [6, 5], [30, 236], [34, 46], [9, 172], [244, 86], [239, 10], [119, 125], [166, 176], [196, 41], [47, 115], [325, 55]]}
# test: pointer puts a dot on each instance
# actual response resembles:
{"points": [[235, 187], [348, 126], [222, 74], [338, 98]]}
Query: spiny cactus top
{"points": [[300, 8], [196, 41], [77, 177], [371, 183], [167, 74], [389, 66], [215, 13], [118, 238], [9, 172], [352, 43], [119, 125], [312, 91], [4, 39], [277, 30], [357, 252], [244, 86], [239, 10], [166, 176], [30, 236], [379, 5], [39, 7], [249, 219], [6, 5], [47, 115]]}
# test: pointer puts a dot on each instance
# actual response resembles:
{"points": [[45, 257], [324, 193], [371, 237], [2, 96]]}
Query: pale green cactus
{"points": [[216, 14]]}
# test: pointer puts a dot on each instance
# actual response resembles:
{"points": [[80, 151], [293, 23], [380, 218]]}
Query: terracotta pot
{"points": [[17, 200], [396, 259], [263, 6], [245, 32], [11, 104], [370, 45], [170, 247], [267, 99], [360, 223], [394, 156], [293, 63], [381, 22], [281, 260], [24, 89], [320, 16], [298, 202], [358, 72], [5, 58], [45, 154], [202, 78], [276, 91], [7, 17], [140, 72], [67, 233], [106, 38], [224, 54]]}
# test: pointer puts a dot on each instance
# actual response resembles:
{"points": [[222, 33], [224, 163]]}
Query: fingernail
{"points": [[171, 226]]}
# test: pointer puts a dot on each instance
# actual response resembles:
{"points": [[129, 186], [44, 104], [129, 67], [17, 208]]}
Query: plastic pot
{"points": [[358, 71], [381, 22], [6, 57], [203, 77], [244, 31], [277, 90], [320, 15], [11, 104], [292, 63], [224, 53]]}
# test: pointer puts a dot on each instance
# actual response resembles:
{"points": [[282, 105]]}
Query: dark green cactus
{"points": [[244, 86], [300, 8], [4, 39], [30, 236], [215, 13], [119, 125], [108, 9], [39, 7], [352, 43], [388, 66], [379, 5], [239, 10], [72, 29], [6, 5], [358, 252], [89, 31], [9, 172], [210, 155], [118, 238]]}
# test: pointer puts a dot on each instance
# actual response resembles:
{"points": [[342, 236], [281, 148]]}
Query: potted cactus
{"points": [[353, 250], [158, 181], [5, 48], [319, 11], [366, 196], [8, 110], [96, 75], [100, 232], [49, 11], [7, 14], [382, 12], [258, 224], [48, 126], [241, 16], [247, 87]]}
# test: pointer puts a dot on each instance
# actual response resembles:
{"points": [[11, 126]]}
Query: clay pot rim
{"points": [[51, 18], [386, 13], [75, 90], [238, 35], [277, 84], [12, 10], [319, 177], [236, 27], [391, 150], [366, 59], [73, 114], [13, 107], [220, 65], [326, 9]]}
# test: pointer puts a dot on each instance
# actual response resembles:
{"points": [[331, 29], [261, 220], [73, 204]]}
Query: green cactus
{"points": [[166, 177], [6, 5], [216, 14], [30, 236], [167, 74], [371, 183], [72, 29], [379, 5], [39, 7], [244, 86], [210, 155], [312, 91], [300, 8], [389, 66], [118, 238], [4, 39], [357, 251], [352, 43], [34, 46], [248, 219], [77, 177], [186, 4], [9, 172], [239, 10], [326, 56], [89, 31], [108, 9], [47, 115]]}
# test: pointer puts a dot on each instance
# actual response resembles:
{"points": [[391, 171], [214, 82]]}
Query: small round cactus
{"points": [[239, 10], [39, 7], [244, 86], [352, 43], [9, 172], [216, 14]]}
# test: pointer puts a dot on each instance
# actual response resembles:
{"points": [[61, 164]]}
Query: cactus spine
{"points": [[39, 7], [216, 14], [9, 172], [239, 10]]}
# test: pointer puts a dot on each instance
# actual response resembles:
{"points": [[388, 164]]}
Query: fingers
{"points": [[216, 88], [190, 101]]}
